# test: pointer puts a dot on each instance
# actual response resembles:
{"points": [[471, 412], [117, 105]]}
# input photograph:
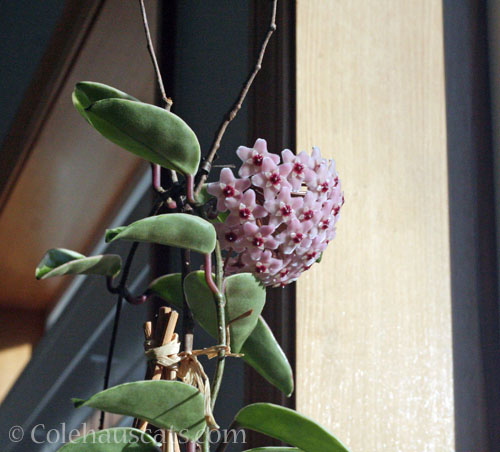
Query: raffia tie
{"points": [[190, 370], [165, 355]]}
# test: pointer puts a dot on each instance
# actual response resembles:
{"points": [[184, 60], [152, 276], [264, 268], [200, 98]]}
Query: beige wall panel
{"points": [[20, 330], [374, 352]]}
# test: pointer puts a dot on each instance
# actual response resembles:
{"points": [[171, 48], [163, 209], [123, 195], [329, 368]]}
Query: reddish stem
{"points": [[208, 275], [157, 177], [190, 188]]}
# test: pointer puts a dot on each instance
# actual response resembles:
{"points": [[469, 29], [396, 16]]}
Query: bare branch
{"points": [[237, 106], [168, 102]]}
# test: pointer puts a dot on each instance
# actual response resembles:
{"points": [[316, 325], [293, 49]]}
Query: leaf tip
{"points": [[78, 402], [112, 234]]}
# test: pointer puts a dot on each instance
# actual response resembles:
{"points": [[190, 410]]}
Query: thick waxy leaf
{"points": [[262, 352], [168, 287], [274, 449], [171, 229], [121, 439], [150, 132], [288, 426], [59, 261], [165, 404], [261, 349], [243, 293], [201, 301], [86, 93]]}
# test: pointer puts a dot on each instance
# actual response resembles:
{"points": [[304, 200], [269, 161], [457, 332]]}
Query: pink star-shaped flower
{"points": [[301, 171], [310, 209], [256, 239], [244, 209], [265, 265], [253, 158], [316, 159], [295, 236], [228, 187], [272, 177], [323, 184], [283, 208], [230, 237]]}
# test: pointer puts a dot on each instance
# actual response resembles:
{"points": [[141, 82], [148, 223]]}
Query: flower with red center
{"points": [[283, 208], [298, 169], [266, 263], [228, 187], [272, 178], [257, 159], [257, 239], [253, 158], [228, 237], [260, 268], [295, 235], [308, 214], [245, 209], [324, 187], [310, 209], [245, 213], [301, 171], [231, 236], [228, 191]]}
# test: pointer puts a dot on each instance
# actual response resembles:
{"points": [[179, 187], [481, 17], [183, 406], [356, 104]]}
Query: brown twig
{"points": [[237, 106], [168, 102]]}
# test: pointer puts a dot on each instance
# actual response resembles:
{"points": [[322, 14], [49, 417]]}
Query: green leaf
{"points": [[261, 349], [274, 449], [201, 301], [121, 439], [169, 287], [86, 93], [243, 293], [165, 404], [172, 229], [288, 426], [262, 352], [150, 132], [59, 261]]}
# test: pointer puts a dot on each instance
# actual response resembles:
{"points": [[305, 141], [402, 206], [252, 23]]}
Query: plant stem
{"points": [[187, 315], [168, 102], [239, 102], [119, 303], [205, 440], [223, 444], [120, 289], [221, 323]]}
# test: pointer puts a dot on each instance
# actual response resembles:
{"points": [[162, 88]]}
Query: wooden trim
{"points": [[272, 116], [474, 276], [75, 24]]}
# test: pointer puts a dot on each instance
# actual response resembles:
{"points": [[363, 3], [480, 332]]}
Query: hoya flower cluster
{"points": [[280, 214]]}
